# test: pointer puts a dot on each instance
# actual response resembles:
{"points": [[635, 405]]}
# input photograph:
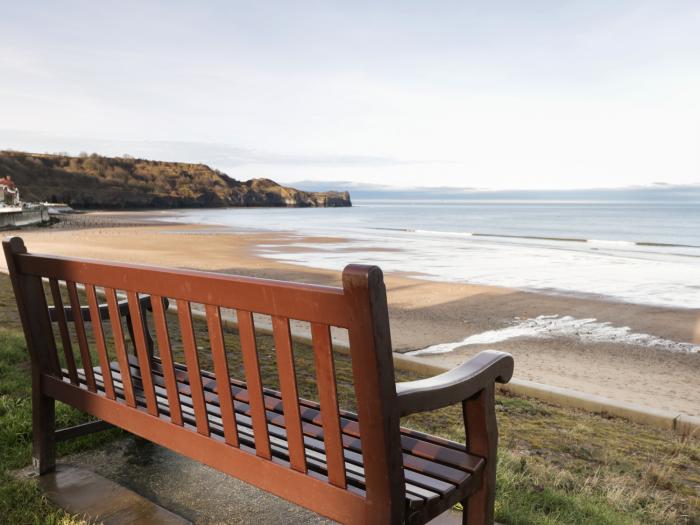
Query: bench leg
{"points": [[43, 429], [482, 440]]}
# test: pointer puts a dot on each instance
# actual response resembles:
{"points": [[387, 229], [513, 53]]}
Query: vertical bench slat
{"points": [[81, 335], [251, 367], [223, 381], [63, 329], [328, 398], [142, 352], [192, 361], [96, 323], [50, 341], [120, 346], [290, 394], [166, 357]]}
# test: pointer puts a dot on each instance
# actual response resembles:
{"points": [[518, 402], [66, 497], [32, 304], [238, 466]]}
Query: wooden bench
{"points": [[352, 467]]}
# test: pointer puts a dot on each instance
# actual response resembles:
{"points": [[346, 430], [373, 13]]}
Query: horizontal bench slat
{"points": [[304, 302]]}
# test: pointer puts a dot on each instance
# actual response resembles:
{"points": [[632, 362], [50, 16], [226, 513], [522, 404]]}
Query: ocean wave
{"points": [[550, 326], [445, 234], [603, 242], [586, 264]]}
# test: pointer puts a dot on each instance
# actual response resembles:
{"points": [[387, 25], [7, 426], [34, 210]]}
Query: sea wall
{"points": [[17, 218]]}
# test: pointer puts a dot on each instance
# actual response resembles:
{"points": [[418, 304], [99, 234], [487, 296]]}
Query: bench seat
{"points": [[438, 472]]}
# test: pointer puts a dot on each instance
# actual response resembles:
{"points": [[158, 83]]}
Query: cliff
{"points": [[93, 181]]}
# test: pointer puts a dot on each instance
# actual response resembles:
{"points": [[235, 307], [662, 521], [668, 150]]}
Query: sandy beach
{"points": [[424, 313]]}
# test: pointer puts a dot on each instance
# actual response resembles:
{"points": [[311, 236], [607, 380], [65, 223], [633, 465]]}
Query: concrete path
{"points": [[132, 481]]}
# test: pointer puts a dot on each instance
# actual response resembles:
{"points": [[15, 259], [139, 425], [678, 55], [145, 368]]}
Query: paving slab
{"points": [[85, 493]]}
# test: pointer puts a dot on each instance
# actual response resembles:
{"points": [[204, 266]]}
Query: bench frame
{"points": [[360, 306]]}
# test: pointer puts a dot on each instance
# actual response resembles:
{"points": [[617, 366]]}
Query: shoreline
{"points": [[425, 312]]}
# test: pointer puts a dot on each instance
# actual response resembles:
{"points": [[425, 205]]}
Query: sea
{"points": [[621, 247]]}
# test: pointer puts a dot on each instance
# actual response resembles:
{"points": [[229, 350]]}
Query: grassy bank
{"points": [[556, 465]]}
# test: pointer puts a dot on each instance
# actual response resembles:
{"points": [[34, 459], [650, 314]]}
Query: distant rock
{"points": [[266, 192], [93, 181]]}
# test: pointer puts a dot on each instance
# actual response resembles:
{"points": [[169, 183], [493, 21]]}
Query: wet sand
{"points": [[422, 312]]}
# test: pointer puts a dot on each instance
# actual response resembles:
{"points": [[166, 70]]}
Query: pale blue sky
{"points": [[480, 94]]}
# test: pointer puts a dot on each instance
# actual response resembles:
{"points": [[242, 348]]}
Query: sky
{"points": [[491, 95]]}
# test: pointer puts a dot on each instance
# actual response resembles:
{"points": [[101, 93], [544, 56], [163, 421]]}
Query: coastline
{"points": [[425, 312]]}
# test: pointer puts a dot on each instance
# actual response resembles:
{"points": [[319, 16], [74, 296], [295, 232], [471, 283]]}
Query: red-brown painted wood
{"points": [[328, 396], [373, 376], [482, 439], [119, 345], [295, 301], [81, 335], [142, 351], [98, 332], [63, 330], [426, 491], [166, 356], [218, 349], [44, 325], [284, 350], [192, 359], [33, 313], [354, 468], [251, 368], [340, 505], [418, 446]]}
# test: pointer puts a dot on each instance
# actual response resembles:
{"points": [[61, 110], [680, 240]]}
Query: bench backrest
{"points": [[359, 306]]}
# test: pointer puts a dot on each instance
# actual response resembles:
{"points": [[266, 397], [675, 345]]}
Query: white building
{"points": [[9, 194]]}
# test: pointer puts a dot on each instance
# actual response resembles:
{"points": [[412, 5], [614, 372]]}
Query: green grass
{"points": [[556, 465], [21, 501]]}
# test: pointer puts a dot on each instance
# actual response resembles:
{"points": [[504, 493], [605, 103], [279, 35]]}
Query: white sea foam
{"points": [[620, 270], [603, 242], [550, 326], [445, 234], [642, 276]]}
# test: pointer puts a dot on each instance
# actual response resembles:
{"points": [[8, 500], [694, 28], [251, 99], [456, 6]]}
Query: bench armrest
{"points": [[455, 386]]}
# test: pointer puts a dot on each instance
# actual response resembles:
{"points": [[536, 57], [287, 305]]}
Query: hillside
{"points": [[93, 181]]}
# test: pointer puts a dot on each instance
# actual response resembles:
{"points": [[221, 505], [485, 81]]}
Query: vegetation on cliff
{"points": [[93, 181]]}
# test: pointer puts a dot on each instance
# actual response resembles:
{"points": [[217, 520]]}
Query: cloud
{"points": [[216, 155]]}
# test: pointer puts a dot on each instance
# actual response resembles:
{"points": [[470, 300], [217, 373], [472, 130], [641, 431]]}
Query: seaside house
{"points": [[13, 212], [9, 194]]}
